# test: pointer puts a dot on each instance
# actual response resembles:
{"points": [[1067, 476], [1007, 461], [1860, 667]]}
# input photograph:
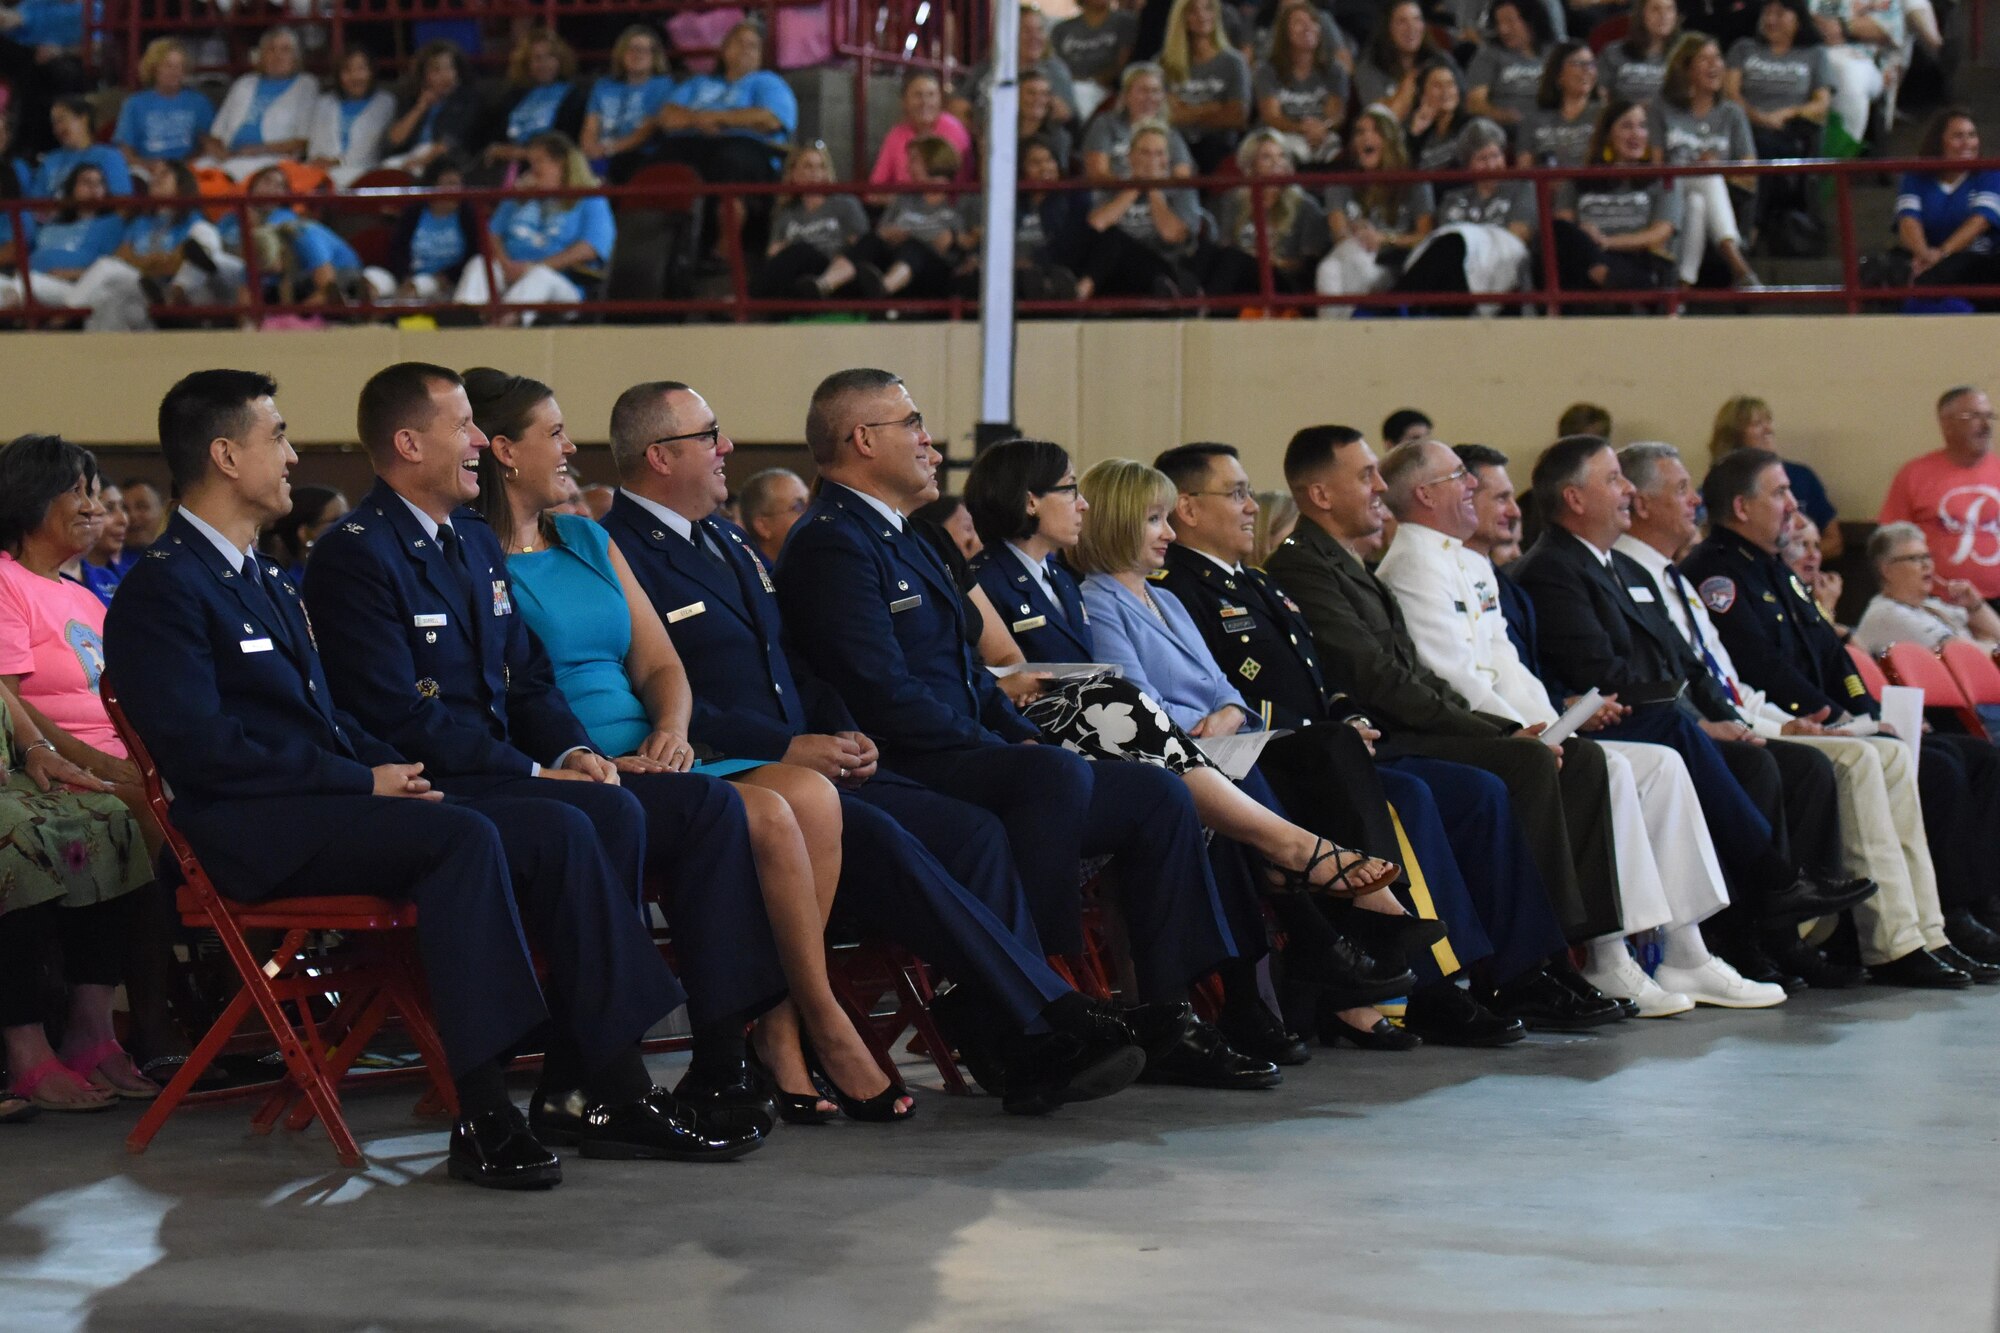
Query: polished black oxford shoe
{"points": [[659, 1127], [736, 1104], [1544, 1004], [1202, 1059], [1807, 898], [1053, 1069], [1261, 1035], [1986, 974], [1448, 1016], [1920, 971], [1971, 936], [496, 1150], [555, 1115]]}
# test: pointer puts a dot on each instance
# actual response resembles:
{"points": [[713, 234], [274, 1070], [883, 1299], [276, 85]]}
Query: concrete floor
{"points": [[1832, 1165]]}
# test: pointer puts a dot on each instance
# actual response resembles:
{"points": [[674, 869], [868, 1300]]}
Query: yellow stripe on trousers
{"points": [[1420, 894]]}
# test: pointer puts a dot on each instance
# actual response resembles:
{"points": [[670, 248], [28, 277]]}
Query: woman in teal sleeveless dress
{"points": [[618, 670]]}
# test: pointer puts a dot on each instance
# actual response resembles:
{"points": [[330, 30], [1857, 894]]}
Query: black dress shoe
{"points": [[1444, 1015], [496, 1150], [1593, 998], [658, 1127], [1987, 912], [1544, 1004], [1754, 963], [1202, 1059], [1384, 1036], [737, 1103], [1342, 967], [967, 1025], [1807, 898], [1986, 974], [1156, 1028], [1259, 1035], [555, 1115], [1971, 936], [1386, 937], [1811, 966], [1920, 970], [1055, 1068]]}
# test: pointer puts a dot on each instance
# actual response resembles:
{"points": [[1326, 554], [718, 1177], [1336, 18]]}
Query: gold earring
{"points": [[513, 474]]}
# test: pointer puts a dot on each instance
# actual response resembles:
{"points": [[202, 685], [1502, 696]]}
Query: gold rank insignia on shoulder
{"points": [[427, 688], [1157, 576], [1249, 669]]}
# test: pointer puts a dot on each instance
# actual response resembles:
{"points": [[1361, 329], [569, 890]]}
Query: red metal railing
{"points": [[1847, 294]]}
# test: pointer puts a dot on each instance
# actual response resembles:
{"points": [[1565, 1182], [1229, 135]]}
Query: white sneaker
{"points": [[1716, 982], [1626, 980]]}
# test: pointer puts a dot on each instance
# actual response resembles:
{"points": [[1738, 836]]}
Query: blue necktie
{"points": [[1700, 639]]}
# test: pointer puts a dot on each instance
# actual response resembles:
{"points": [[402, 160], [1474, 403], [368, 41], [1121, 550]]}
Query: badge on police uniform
{"points": [[1719, 593], [503, 605], [427, 688]]}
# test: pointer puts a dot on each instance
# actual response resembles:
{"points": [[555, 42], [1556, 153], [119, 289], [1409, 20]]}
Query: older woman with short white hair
{"points": [[266, 118], [1914, 604]]}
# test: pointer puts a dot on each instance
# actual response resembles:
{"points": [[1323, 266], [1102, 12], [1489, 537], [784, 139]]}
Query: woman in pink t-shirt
{"points": [[52, 657], [923, 116]]}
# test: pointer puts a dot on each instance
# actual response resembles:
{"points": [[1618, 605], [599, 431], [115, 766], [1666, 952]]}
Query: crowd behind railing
{"points": [[1232, 97]]}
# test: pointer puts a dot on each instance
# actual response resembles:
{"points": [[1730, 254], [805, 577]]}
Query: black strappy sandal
{"points": [[1341, 885], [879, 1109], [793, 1108]]}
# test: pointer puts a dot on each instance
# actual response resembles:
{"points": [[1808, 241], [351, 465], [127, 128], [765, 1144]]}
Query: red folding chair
{"points": [[1913, 664], [886, 991], [1978, 679], [372, 978], [1865, 667]]}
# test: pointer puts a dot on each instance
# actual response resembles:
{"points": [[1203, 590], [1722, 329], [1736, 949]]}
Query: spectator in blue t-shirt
{"points": [[348, 122], [164, 121], [541, 77], [544, 250], [433, 241], [732, 125], [302, 261], [15, 178], [621, 124], [41, 47], [1946, 220], [76, 146], [67, 254]]}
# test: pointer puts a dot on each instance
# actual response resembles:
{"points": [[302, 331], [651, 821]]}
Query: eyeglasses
{"points": [[1987, 417], [1071, 490], [1238, 494], [914, 423], [1921, 558], [713, 435], [1447, 477]]}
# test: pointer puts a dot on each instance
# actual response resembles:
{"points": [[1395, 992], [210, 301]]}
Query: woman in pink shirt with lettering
{"points": [[923, 116]]}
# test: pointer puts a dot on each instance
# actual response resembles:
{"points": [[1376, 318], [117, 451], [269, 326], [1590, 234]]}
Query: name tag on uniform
{"points": [[691, 609], [1032, 622], [428, 622], [1640, 594], [256, 645], [907, 603]]}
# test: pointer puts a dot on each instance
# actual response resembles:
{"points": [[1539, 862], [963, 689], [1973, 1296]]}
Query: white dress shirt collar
{"points": [[233, 554], [1038, 570], [895, 519], [1219, 562], [425, 521], [679, 523]]}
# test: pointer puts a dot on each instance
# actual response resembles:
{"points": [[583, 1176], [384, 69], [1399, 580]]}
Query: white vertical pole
{"points": [[996, 285]]}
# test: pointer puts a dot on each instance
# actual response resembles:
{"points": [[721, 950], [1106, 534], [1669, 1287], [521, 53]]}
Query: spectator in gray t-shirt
{"points": [[1372, 227], [970, 96], [1142, 97], [1617, 234], [1096, 45], [1433, 127], [1301, 91], [1632, 68], [1484, 229], [1140, 237], [1506, 75], [1781, 80], [1399, 49], [1692, 123], [809, 232], [1557, 132], [1294, 226], [1208, 83]]}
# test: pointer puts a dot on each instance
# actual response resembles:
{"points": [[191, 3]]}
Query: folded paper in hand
{"points": [[1060, 670], [1579, 713], [1236, 755]]}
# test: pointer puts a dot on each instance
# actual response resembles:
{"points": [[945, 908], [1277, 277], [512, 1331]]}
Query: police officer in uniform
{"points": [[1782, 644], [284, 795]]}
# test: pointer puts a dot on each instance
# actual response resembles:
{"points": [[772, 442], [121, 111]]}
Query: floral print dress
{"points": [[80, 848]]}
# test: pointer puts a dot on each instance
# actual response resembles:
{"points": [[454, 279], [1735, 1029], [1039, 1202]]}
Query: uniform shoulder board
{"points": [[354, 528], [1718, 594], [1157, 576], [157, 553]]}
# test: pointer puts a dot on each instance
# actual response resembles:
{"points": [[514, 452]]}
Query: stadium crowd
{"points": [[1295, 759], [1125, 100]]}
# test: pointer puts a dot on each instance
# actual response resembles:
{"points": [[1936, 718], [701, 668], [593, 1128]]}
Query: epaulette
{"points": [[1157, 576]]}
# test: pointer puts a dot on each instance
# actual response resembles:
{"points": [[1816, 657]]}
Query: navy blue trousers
{"points": [[894, 887], [1058, 808], [690, 832], [456, 861]]}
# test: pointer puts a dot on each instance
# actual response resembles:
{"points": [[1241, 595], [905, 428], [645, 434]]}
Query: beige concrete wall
{"points": [[1852, 395]]}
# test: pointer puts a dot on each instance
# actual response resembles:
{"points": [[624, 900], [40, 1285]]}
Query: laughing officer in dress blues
{"points": [[873, 611], [931, 873], [478, 705], [283, 795]]}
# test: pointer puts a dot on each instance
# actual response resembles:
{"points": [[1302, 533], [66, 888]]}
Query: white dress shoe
{"points": [[1716, 982], [1626, 980]]}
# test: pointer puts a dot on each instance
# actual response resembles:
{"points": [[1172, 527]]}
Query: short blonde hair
{"points": [[1277, 515], [1731, 420], [1121, 492], [157, 52]]}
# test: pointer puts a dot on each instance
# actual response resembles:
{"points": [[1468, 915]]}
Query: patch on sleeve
{"points": [[1855, 689], [1718, 594]]}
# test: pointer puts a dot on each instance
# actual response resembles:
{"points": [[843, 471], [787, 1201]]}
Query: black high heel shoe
{"points": [[1346, 861], [879, 1109], [793, 1108]]}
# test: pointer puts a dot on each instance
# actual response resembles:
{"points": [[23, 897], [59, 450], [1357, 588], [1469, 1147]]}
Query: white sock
{"points": [[1604, 955], [1685, 948]]}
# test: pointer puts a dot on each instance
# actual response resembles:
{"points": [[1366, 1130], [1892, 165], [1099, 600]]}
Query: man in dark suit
{"points": [[424, 647], [946, 888], [1363, 645], [282, 794], [1783, 644], [874, 613], [1261, 639], [1601, 625]]}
